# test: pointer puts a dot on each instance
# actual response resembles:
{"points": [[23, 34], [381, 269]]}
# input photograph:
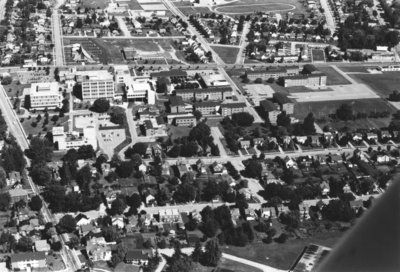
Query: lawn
{"points": [[39, 128], [318, 55], [178, 132], [226, 264], [354, 69], [333, 76], [382, 84], [281, 256], [251, 6], [227, 54], [194, 10], [14, 89], [95, 3], [323, 108]]}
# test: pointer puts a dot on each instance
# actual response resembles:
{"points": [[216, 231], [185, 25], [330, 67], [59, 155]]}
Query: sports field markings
{"points": [[290, 7]]}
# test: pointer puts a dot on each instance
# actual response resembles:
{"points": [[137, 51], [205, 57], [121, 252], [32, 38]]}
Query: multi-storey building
{"points": [[207, 107], [273, 72], [285, 103], [96, 84], [213, 94], [231, 108], [45, 95], [271, 110], [310, 80], [181, 119]]}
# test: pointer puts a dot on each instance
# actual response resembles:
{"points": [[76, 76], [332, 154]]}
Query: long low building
{"points": [[310, 80], [272, 72], [230, 108], [213, 94]]}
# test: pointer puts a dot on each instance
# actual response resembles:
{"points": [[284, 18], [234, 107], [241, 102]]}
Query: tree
{"points": [[212, 252], [5, 200], [25, 243], [36, 203], [3, 178], [179, 262], [185, 193], [253, 169], [200, 132], [282, 238], [197, 114], [345, 112], [110, 234], [197, 253], [66, 224], [118, 206], [241, 202], [139, 148], [134, 201], [86, 152], [283, 120], [210, 227], [40, 150], [125, 169], [162, 85], [243, 119], [308, 124], [100, 105], [117, 115], [41, 175]]}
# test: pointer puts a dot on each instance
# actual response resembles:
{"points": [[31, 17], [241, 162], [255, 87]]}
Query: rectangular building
{"points": [[96, 84], [271, 110], [310, 80], [207, 107], [23, 261], [231, 108], [212, 94], [285, 103], [45, 95], [185, 119], [273, 72], [74, 140]]}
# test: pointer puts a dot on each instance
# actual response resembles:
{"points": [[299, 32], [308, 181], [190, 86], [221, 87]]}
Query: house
{"points": [[357, 137], [258, 141], [383, 159], [137, 257], [246, 192], [42, 245], [217, 168], [118, 221], [346, 189], [13, 178], [289, 162], [18, 194], [98, 250], [325, 189], [356, 204], [82, 219], [372, 136], [24, 261], [245, 144]]}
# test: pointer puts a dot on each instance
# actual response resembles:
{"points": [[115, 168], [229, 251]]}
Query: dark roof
{"points": [[148, 124], [282, 98], [185, 117], [206, 104], [207, 90], [28, 256], [309, 69], [136, 255], [170, 73], [80, 216], [234, 105], [268, 105], [176, 101], [160, 120]]}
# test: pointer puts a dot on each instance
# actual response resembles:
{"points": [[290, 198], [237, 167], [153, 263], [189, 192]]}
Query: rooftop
{"points": [[170, 73], [28, 256]]}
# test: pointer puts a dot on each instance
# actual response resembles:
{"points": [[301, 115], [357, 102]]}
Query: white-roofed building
{"points": [[74, 139], [96, 84], [45, 95]]}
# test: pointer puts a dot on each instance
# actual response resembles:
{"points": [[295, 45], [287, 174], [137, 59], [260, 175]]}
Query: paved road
{"points": [[193, 30], [126, 37], [58, 42], [15, 128], [123, 27], [330, 21], [217, 135], [240, 56]]}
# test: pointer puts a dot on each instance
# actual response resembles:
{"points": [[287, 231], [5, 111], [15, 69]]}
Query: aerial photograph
{"points": [[199, 135]]}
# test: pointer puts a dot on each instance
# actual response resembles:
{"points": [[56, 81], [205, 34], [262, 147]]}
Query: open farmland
{"points": [[383, 84], [227, 54], [333, 76], [250, 6]]}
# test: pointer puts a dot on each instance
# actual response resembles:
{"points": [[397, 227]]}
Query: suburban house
{"points": [[136, 256], [23, 261]]}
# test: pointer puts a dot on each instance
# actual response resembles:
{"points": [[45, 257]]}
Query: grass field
{"points": [[333, 77], [95, 3], [251, 6], [227, 54], [354, 69], [318, 55], [321, 109], [382, 84], [281, 256], [39, 128], [194, 10]]}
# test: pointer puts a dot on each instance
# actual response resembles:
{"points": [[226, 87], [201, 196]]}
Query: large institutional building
{"points": [[45, 95], [96, 84], [74, 139]]}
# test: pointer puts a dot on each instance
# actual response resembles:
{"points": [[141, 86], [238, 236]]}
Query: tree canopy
{"points": [[100, 105]]}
